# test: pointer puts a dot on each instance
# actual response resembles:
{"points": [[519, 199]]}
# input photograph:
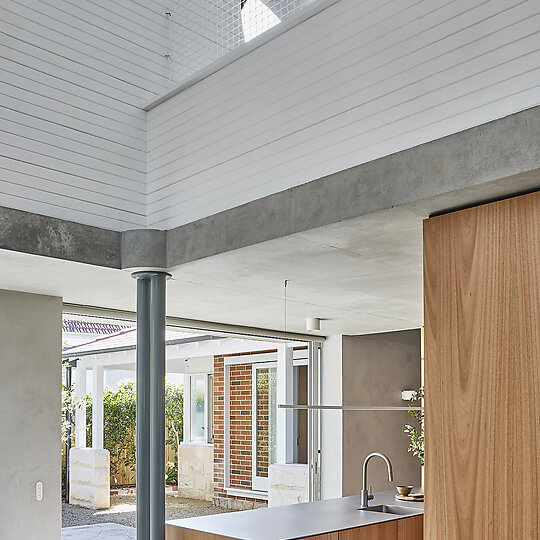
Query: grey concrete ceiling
{"points": [[362, 275]]}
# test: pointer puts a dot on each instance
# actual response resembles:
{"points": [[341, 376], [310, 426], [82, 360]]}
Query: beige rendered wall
{"points": [[30, 367], [376, 368]]}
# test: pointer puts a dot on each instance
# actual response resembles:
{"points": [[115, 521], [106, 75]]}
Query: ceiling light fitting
{"points": [[313, 324]]}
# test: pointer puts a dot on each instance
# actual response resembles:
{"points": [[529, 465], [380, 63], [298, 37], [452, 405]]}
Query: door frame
{"points": [[258, 483]]}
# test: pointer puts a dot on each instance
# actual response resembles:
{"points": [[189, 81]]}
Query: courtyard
{"points": [[119, 520]]}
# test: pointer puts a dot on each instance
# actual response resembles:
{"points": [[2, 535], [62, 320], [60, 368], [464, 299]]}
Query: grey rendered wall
{"points": [[30, 364], [376, 368]]}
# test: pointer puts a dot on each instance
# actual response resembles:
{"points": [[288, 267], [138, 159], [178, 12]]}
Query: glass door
{"points": [[314, 420], [263, 422]]}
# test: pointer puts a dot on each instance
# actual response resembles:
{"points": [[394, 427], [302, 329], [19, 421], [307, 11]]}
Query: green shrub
{"points": [[120, 418]]}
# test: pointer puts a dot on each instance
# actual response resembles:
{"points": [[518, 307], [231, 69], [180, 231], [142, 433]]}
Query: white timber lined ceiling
{"points": [[357, 81], [73, 135], [353, 82]]}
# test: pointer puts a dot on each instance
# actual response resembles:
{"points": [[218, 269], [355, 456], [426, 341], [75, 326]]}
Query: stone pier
{"points": [[89, 473]]}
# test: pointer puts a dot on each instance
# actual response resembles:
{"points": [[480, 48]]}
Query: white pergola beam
{"points": [[182, 350]]}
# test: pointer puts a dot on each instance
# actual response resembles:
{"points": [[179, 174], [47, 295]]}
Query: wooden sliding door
{"points": [[482, 363]]}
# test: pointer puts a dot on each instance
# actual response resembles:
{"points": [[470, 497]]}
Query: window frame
{"points": [[258, 483], [208, 426]]}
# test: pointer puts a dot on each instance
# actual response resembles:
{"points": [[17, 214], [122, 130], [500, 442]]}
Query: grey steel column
{"points": [[143, 405], [157, 406]]}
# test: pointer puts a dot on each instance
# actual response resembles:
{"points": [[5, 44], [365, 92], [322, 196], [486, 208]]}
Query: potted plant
{"points": [[416, 432]]}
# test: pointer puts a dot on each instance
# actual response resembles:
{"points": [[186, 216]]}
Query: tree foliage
{"points": [[68, 410], [120, 419], [174, 409]]}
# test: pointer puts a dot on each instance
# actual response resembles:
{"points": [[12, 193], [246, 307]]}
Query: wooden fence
{"points": [[126, 474]]}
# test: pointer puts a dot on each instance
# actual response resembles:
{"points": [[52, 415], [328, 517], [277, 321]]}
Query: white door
{"points": [[264, 412]]}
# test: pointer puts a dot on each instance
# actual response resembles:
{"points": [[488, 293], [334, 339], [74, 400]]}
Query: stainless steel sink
{"points": [[398, 510]]}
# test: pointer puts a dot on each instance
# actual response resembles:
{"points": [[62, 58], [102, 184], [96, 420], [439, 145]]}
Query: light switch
{"points": [[39, 491]]}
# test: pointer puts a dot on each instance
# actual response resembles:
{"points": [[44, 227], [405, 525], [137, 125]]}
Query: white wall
{"points": [[30, 415], [331, 421], [358, 81], [73, 135]]}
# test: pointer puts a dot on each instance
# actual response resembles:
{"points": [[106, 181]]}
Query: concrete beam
{"points": [[490, 161], [46, 236], [144, 249], [35, 234], [464, 165]]}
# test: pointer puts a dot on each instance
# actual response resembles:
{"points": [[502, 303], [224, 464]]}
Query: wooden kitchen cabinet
{"points": [[179, 533], [482, 371], [402, 529], [411, 528], [379, 531]]}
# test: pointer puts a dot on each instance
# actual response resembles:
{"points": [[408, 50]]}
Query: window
{"points": [[210, 409], [199, 410], [197, 387]]}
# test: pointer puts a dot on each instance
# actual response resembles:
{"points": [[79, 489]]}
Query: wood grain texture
{"points": [[180, 533], [380, 531], [482, 347], [411, 528]]}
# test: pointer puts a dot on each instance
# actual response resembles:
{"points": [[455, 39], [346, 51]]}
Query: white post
{"points": [[80, 412], [285, 395], [97, 407]]}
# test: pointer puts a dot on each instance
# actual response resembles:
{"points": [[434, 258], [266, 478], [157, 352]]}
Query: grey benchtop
{"points": [[296, 520]]}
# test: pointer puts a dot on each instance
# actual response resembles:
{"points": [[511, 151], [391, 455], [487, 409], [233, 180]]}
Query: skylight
{"points": [[200, 32], [257, 18]]}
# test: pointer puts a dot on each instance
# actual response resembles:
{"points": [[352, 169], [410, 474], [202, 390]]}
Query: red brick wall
{"points": [[241, 430], [241, 426], [219, 428]]}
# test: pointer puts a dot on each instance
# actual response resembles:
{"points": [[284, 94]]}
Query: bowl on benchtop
{"points": [[404, 490]]}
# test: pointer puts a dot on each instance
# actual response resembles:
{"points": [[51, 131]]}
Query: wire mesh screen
{"points": [[201, 31]]}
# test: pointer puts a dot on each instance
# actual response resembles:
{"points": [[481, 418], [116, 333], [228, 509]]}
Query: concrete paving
{"points": [[123, 511], [102, 531]]}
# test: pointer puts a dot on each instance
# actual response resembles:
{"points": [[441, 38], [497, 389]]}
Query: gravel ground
{"points": [[122, 511]]}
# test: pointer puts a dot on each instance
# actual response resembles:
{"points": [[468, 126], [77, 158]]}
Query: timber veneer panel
{"points": [[380, 531], [482, 362], [411, 528], [179, 533]]}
